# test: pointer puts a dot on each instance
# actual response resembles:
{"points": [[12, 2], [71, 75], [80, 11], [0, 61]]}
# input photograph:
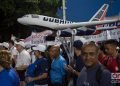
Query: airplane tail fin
{"points": [[100, 14]]}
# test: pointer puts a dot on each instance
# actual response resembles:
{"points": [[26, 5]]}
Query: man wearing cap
{"points": [[77, 63], [22, 62], [37, 73]]}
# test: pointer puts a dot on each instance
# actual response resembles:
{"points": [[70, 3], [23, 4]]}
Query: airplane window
{"points": [[25, 16], [35, 16], [69, 22]]}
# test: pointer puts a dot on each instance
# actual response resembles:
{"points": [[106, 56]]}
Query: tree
{"points": [[10, 10]]}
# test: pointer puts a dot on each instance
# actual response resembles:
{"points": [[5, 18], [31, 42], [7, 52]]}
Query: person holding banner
{"points": [[77, 64]]}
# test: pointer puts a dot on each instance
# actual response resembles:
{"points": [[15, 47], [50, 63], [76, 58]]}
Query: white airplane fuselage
{"points": [[57, 24], [40, 20]]}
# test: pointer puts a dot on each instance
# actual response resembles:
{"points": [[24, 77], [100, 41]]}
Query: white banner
{"points": [[105, 35], [37, 38]]}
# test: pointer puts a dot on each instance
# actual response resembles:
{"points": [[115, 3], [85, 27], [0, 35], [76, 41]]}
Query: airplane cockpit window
{"points": [[35, 16], [25, 16]]}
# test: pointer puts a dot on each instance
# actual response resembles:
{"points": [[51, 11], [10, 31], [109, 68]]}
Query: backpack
{"points": [[99, 73]]}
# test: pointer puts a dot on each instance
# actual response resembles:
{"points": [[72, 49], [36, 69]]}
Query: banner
{"points": [[37, 38], [105, 35]]}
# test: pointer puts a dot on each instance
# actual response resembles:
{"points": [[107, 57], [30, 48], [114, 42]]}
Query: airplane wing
{"points": [[115, 25], [84, 24], [108, 28]]}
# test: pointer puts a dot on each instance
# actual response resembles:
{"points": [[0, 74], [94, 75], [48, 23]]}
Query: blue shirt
{"points": [[88, 77], [57, 72], [39, 67], [9, 78]]}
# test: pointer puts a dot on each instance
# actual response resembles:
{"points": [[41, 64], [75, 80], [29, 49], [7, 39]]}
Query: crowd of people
{"points": [[94, 64]]}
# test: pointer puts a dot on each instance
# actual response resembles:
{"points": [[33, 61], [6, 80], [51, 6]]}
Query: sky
{"points": [[83, 10]]}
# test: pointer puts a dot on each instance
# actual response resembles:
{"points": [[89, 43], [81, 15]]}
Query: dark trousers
{"points": [[56, 84]]}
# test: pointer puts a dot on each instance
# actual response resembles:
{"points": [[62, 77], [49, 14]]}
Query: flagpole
{"points": [[64, 9]]}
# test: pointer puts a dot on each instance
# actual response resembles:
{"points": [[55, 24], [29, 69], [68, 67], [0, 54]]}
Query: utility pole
{"points": [[64, 9]]}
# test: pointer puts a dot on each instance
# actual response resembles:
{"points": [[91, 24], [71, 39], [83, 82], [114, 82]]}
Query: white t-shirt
{"points": [[23, 58], [33, 57]]}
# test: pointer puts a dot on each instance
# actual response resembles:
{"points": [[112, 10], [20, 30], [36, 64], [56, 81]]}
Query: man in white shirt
{"points": [[22, 62]]}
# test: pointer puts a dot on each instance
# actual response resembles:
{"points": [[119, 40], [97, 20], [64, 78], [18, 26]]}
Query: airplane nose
{"points": [[19, 20], [22, 21]]}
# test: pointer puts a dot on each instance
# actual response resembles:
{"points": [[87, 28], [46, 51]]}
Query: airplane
{"points": [[110, 26], [60, 24], [88, 30]]}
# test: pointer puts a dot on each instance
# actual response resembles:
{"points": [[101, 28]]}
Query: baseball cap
{"points": [[77, 44], [40, 47], [20, 43], [5, 44]]}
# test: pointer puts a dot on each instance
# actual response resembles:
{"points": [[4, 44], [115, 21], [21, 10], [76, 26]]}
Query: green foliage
{"points": [[7, 7], [10, 10]]}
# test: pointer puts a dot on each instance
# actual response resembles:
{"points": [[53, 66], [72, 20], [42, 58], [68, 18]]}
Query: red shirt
{"points": [[112, 64], [102, 58]]}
